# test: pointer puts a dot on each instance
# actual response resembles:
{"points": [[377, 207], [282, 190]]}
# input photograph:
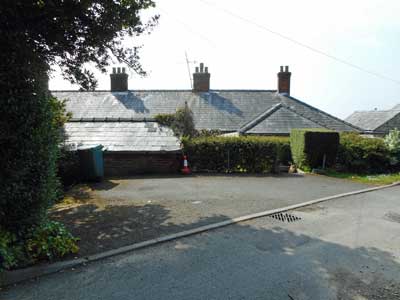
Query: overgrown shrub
{"points": [[392, 142], [181, 122], [208, 132], [48, 241], [233, 154], [10, 252], [310, 146], [362, 154]]}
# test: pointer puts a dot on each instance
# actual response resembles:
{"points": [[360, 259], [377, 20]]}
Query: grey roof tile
{"points": [[121, 136], [371, 120], [225, 110], [283, 120]]}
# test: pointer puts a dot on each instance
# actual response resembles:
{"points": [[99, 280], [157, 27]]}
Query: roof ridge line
{"points": [[324, 113], [165, 90], [254, 122]]}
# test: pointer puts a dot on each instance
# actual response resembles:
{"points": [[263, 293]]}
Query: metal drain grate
{"points": [[285, 217]]}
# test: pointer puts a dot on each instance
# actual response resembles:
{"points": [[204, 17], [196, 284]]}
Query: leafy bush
{"points": [[233, 154], [309, 146], [68, 167], [181, 122], [208, 132], [50, 240], [363, 155], [392, 142], [165, 119], [9, 251]]}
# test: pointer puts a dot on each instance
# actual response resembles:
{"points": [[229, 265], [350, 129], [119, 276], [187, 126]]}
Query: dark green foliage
{"points": [[50, 240], [309, 146], [47, 241], [34, 35], [233, 154], [363, 155], [165, 119], [181, 122], [284, 152], [68, 167], [10, 252], [208, 133], [73, 33], [29, 137]]}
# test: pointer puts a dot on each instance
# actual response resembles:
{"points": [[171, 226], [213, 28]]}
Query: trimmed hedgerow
{"points": [[68, 169], [363, 155], [235, 154], [30, 131], [309, 146]]}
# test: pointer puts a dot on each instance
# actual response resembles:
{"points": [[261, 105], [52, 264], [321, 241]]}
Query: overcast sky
{"points": [[232, 39]]}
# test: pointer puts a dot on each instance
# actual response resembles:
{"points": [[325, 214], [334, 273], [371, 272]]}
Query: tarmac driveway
{"points": [[118, 212], [213, 194], [344, 249]]}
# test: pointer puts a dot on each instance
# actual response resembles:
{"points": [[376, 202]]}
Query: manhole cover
{"points": [[285, 217], [393, 217]]}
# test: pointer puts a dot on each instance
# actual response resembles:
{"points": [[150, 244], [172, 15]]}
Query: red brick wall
{"points": [[123, 164]]}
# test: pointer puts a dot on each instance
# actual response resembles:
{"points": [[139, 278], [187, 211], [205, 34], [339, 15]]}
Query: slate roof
{"points": [[121, 136], [278, 120], [371, 120], [396, 107], [225, 110]]}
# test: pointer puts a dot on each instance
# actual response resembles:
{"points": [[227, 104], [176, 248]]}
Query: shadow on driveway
{"points": [[242, 261]]}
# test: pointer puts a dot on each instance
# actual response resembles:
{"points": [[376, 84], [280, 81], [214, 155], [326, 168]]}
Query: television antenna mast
{"points": [[188, 68]]}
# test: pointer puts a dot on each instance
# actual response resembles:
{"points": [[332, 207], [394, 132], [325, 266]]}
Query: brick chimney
{"points": [[201, 79], [119, 80], [284, 81]]}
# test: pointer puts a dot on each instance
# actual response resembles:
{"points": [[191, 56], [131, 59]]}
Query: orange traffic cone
{"points": [[186, 169]]}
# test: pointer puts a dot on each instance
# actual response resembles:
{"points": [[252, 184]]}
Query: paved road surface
{"points": [[342, 249]]}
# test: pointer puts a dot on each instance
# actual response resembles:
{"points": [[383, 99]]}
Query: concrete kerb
{"points": [[12, 277]]}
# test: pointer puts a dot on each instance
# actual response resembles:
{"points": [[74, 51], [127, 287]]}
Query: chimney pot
{"points": [[201, 79], [119, 81], [284, 81]]}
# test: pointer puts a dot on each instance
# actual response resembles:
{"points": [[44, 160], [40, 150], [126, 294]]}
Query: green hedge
{"points": [[68, 170], [235, 154], [363, 155], [30, 133], [309, 146]]}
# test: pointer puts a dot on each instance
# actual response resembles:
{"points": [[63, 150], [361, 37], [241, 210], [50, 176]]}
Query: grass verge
{"points": [[378, 179]]}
